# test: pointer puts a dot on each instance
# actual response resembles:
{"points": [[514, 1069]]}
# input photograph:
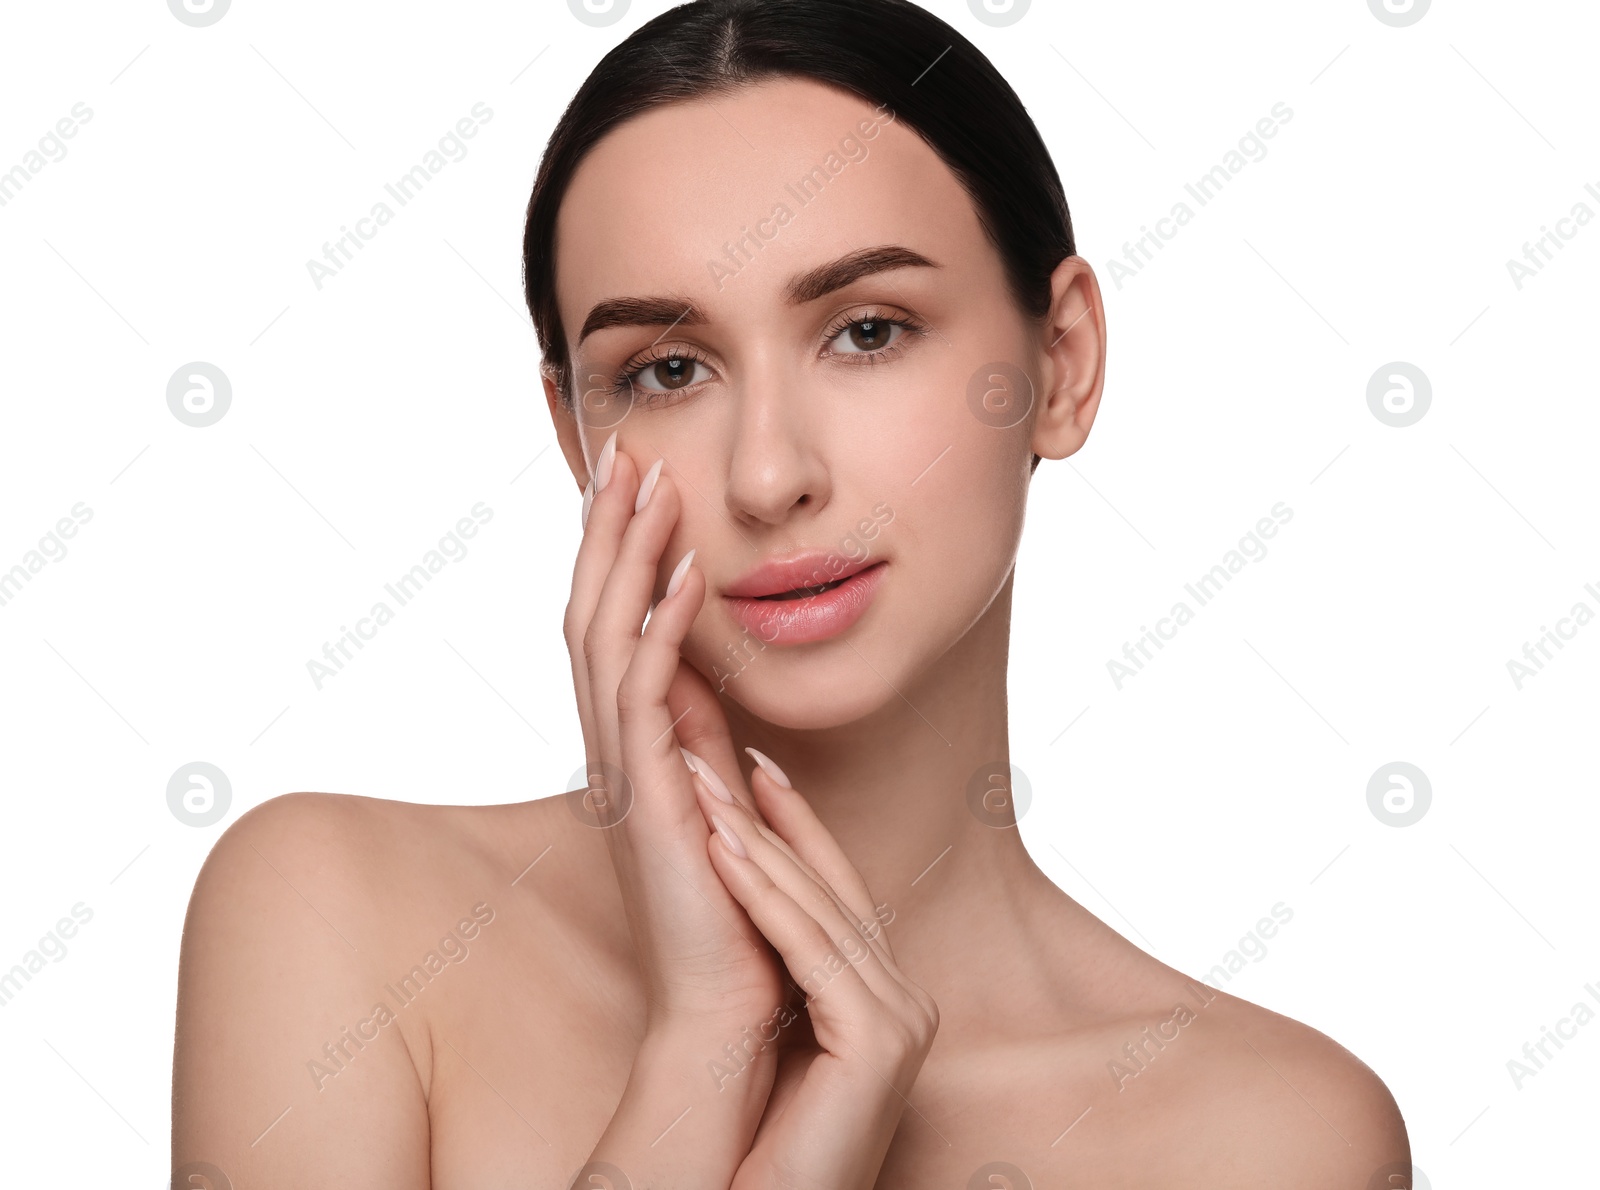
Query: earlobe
{"points": [[566, 427], [1073, 363]]}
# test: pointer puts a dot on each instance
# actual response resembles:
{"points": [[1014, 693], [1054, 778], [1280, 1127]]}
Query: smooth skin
{"points": [[972, 1010]]}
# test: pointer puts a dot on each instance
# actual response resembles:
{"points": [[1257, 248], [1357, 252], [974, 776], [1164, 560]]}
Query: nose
{"points": [[776, 468]]}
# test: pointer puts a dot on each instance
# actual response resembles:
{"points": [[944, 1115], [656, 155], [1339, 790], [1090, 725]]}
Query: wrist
{"points": [[725, 1060], [677, 1124]]}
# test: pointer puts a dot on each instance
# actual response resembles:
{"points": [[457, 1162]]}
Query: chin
{"points": [[832, 699], [806, 687]]}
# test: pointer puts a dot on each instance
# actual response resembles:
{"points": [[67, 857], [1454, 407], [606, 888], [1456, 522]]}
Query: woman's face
{"points": [[805, 408]]}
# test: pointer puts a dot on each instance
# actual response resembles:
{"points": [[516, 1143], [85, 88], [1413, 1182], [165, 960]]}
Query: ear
{"points": [[1074, 366], [566, 425]]}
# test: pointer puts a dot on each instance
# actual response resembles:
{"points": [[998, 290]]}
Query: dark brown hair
{"points": [[891, 53]]}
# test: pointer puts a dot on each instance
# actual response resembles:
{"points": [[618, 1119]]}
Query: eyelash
{"points": [[623, 385]]}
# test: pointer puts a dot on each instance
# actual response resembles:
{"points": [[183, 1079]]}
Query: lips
{"points": [[802, 592], [803, 574], [796, 601]]}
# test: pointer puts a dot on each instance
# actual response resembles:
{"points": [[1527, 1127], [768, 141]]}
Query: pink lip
{"points": [[807, 569], [811, 617]]}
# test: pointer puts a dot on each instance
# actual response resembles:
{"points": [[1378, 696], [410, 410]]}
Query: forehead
{"points": [[657, 204]]}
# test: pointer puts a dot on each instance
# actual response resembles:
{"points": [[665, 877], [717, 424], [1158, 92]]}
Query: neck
{"points": [[903, 793]]}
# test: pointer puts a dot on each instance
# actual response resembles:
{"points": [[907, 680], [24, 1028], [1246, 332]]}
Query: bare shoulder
{"points": [[364, 862], [1271, 1098], [308, 829], [342, 867], [290, 1054]]}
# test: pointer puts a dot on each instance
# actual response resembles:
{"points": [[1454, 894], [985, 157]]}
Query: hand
{"points": [[705, 966], [835, 1106]]}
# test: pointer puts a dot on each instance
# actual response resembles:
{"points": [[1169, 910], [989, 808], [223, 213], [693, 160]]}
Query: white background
{"points": [[369, 415]]}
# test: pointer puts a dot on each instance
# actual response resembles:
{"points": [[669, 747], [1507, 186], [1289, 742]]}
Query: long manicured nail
{"points": [[728, 837], [709, 775], [608, 456], [682, 568], [773, 770], [588, 499], [649, 484], [713, 783], [700, 779]]}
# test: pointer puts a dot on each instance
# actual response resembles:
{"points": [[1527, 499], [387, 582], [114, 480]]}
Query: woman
{"points": [[805, 285]]}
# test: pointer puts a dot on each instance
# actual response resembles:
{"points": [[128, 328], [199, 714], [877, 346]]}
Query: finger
{"points": [[867, 931], [791, 816], [596, 552], [634, 543], [702, 728], [609, 513], [664, 803], [651, 756], [834, 987], [866, 928], [814, 901], [720, 792], [629, 666]]}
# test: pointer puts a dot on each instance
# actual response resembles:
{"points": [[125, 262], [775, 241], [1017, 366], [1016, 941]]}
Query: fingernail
{"points": [[676, 580], [689, 758], [728, 837], [649, 484], [588, 499], [608, 456], [709, 775], [773, 770], [700, 782]]}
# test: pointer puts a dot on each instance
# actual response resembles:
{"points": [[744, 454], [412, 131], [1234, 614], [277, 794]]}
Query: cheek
{"points": [[966, 533], [967, 507]]}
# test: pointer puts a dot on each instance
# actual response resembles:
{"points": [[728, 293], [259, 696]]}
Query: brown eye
{"points": [[870, 336], [667, 375], [867, 336], [672, 373]]}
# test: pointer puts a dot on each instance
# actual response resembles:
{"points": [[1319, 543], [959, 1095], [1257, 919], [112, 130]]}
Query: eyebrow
{"points": [[802, 288]]}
